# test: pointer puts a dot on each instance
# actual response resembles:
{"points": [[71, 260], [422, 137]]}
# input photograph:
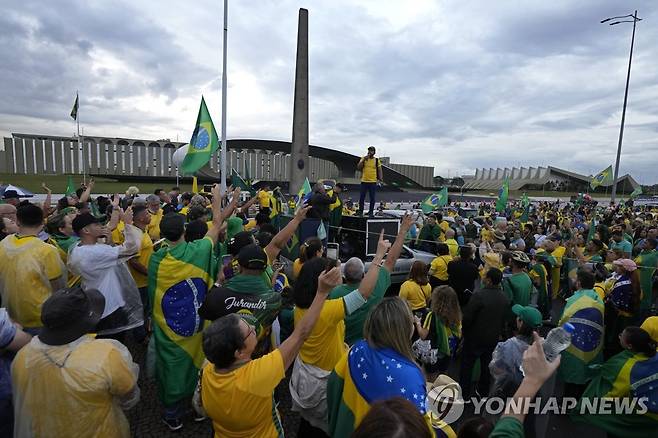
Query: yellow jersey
{"points": [[325, 346], [415, 294], [370, 168], [439, 267], [240, 402]]}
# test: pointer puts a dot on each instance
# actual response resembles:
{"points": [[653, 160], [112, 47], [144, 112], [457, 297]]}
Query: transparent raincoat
{"points": [[103, 267], [25, 283], [78, 389]]}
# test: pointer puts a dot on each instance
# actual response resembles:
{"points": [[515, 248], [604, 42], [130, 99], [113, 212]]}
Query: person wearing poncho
{"points": [[377, 368], [179, 277]]}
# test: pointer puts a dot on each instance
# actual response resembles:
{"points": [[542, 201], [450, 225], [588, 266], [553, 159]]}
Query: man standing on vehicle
{"points": [[371, 176]]}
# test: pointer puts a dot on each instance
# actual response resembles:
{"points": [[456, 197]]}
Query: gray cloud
{"points": [[457, 86]]}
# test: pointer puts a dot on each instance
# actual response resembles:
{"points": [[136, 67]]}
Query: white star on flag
{"points": [[389, 379], [365, 376], [402, 390]]}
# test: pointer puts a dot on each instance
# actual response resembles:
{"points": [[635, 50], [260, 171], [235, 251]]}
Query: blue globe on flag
{"points": [[200, 139], [434, 199]]}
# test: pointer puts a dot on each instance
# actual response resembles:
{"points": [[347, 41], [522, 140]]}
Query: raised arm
{"points": [[116, 213], [370, 280], [281, 238], [219, 216], [396, 249], [249, 203], [47, 208], [291, 346], [87, 193]]}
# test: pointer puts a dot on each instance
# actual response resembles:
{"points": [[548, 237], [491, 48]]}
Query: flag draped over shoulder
{"points": [[435, 200], [622, 378], [70, 186], [203, 143], [584, 310], [604, 177], [179, 278], [366, 375], [503, 194], [304, 193]]}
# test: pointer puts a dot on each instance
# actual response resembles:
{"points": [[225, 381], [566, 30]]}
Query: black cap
{"points": [[70, 313], [252, 256], [239, 241], [82, 220], [10, 194]]}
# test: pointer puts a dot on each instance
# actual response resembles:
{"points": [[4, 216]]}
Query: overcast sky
{"points": [[457, 84]]}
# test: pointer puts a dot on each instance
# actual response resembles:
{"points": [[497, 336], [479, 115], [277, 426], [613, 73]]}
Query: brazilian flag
{"points": [[238, 181], [525, 204], [203, 143], [604, 177], [304, 193], [503, 194], [647, 262], [179, 278], [435, 200], [636, 192], [366, 375], [584, 310], [622, 378]]}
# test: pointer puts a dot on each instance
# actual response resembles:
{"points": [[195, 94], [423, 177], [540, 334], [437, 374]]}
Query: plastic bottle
{"points": [[557, 341]]}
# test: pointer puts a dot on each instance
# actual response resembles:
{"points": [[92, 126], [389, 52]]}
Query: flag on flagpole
{"points": [[435, 200], [76, 105], [70, 186], [195, 187], [637, 192], [525, 204], [503, 194], [604, 177], [304, 193], [203, 143]]}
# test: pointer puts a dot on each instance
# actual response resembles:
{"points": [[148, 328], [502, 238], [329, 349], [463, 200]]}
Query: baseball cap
{"points": [[10, 194], [252, 256], [627, 264], [239, 241], [82, 220], [70, 313], [234, 226], [529, 315]]}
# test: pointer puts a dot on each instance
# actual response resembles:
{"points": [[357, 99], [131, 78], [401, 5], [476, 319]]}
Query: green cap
{"points": [[529, 315], [234, 226]]}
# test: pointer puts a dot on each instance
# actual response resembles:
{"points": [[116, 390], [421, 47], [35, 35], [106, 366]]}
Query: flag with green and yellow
{"points": [[503, 194], [203, 143], [435, 200], [604, 177]]}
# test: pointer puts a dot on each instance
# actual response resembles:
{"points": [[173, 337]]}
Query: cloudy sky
{"points": [[453, 84]]}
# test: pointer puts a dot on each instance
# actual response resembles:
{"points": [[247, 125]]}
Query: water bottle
{"points": [[557, 341]]}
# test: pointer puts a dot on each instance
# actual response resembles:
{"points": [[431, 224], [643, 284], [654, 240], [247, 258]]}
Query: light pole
{"points": [[619, 20]]}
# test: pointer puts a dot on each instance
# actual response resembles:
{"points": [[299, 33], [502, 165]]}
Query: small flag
{"points": [[637, 192], [195, 187], [592, 229], [503, 194], [70, 186], [579, 200], [203, 143], [238, 181], [76, 105], [604, 177], [304, 193], [435, 200], [525, 203]]}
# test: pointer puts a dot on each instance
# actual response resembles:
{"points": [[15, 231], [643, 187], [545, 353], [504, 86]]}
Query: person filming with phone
{"points": [[371, 177]]}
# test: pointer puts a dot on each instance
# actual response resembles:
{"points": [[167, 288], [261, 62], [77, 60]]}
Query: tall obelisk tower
{"points": [[299, 151]]}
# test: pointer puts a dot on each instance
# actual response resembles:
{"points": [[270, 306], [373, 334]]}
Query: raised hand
{"points": [[300, 214], [128, 216], [382, 245], [115, 201], [328, 280], [407, 220], [45, 188]]}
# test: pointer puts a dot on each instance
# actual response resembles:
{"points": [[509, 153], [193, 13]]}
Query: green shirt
{"points": [[430, 232], [647, 263], [518, 288], [507, 427], [355, 321]]}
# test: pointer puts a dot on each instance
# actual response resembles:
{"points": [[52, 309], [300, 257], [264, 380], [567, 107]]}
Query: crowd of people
{"points": [[200, 280]]}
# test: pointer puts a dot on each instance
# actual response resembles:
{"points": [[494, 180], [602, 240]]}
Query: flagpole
{"points": [[80, 143], [224, 82]]}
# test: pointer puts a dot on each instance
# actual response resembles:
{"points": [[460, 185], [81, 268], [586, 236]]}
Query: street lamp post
{"points": [[619, 20]]}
